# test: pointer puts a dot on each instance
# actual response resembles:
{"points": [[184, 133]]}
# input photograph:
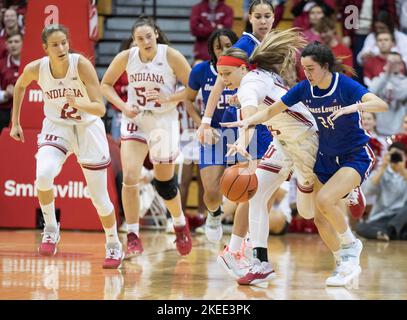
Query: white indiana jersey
{"points": [[56, 107], [156, 74], [260, 88]]}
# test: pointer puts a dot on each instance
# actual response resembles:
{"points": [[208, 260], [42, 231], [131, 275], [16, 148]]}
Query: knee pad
{"points": [[168, 190]]}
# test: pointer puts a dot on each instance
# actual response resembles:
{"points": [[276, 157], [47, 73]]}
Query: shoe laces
{"points": [[213, 222], [132, 238], [353, 197], [113, 253], [181, 236], [258, 267], [345, 268]]}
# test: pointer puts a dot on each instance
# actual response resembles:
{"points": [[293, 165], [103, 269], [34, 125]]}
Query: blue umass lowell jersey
{"points": [[203, 76], [343, 135], [247, 42]]}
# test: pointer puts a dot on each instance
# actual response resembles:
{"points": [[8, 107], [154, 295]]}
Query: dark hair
{"points": [[386, 32], [215, 36], [322, 55], [324, 24], [147, 21], [386, 18], [50, 29], [255, 3], [126, 44], [17, 33], [398, 145]]}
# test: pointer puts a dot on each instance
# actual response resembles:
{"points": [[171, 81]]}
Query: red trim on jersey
{"points": [[371, 155], [61, 148], [269, 167], [268, 101], [299, 117], [134, 138], [305, 189], [98, 166], [281, 86]]}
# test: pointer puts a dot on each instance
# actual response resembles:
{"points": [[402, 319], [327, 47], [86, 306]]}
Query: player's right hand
{"points": [[206, 134], [17, 133], [131, 111]]}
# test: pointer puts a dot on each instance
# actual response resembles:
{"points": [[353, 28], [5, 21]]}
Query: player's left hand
{"points": [[70, 98], [349, 109], [156, 96]]}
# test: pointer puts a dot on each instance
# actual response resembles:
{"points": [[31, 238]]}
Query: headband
{"points": [[233, 62]]}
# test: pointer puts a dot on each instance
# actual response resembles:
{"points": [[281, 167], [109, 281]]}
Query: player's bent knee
{"points": [[44, 182], [168, 190], [104, 207]]}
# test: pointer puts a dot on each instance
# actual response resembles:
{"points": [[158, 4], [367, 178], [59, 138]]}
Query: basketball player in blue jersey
{"points": [[344, 158], [261, 16], [203, 77]]}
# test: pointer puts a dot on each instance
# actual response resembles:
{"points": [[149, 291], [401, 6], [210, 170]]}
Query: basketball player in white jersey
{"points": [[294, 145], [73, 107], [149, 124]]}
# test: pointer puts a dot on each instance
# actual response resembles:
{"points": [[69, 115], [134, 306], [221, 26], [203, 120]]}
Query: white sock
{"points": [[235, 243], [111, 234], [48, 212], [179, 221], [347, 237], [134, 227]]}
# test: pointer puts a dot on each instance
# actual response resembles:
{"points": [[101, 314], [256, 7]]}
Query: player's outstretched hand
{"points": [[235, 124]]}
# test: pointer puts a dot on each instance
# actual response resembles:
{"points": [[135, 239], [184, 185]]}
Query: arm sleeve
{"points": [[295, 94]]}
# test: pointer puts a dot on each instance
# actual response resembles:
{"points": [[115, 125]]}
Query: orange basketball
{"points": [[238, 183]]}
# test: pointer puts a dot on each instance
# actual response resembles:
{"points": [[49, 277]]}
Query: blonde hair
{"points": [[279, 48], [236, 53]]}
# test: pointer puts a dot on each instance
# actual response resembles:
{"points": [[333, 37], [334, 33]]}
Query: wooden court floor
{"points": [[301, 261]]}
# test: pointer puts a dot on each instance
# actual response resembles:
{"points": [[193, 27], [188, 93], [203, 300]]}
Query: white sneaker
{"points": [[345, 274], [259, 272], [114, 256], [213, 228], [348, 269], [234, 263]]}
